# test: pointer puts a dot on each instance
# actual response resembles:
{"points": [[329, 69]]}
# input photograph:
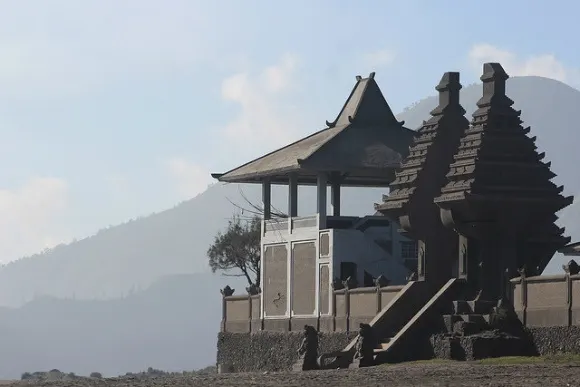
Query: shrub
{"points": [[96, 375], [26, 376]]}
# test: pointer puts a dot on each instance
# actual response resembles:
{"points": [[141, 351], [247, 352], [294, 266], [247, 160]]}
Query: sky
{"points": [[110, 110]]}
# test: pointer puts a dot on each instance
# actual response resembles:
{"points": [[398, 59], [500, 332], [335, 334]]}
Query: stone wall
{"points": [[269, 351], [549, 307], [351, 307], [547, 301], [553, 340]]}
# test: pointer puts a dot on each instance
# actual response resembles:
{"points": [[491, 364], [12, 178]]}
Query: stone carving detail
{"points": [[227, 291], [522, 272], [382, 281], [422, 260], [365, 346], [571, 268], [253, 289], [463, 258], [350, 283], [337, 284], [279, 298], [308, 350]]}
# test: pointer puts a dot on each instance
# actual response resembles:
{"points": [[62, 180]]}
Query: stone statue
{"points": [[571, 268], [227, 291], [365, 346], [308, 350]]}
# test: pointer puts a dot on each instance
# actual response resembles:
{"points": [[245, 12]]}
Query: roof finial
{"points": [[448, 89], [358, 77], [372, 75], [494, 80]]}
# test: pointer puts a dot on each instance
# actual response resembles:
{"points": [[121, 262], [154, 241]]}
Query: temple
{"points": [[475, 198], [305, 258]]}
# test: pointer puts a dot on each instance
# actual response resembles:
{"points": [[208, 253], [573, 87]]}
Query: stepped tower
{"points": [[420, 179], [499, 196]]}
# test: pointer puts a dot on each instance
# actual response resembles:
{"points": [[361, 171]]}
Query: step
{"points": [[482, 307], [464, 328], [473, 307], [475, 318], [383, 345]]}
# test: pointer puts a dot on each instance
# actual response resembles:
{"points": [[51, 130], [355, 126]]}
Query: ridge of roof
{"points": [[366, 103]]}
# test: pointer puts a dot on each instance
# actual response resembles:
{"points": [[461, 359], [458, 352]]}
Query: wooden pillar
{"points": [[335, 194], [321, 183], [293, 195], [267, 198]]}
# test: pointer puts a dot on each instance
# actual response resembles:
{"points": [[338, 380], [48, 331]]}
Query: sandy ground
{"points": [[456, 374]]}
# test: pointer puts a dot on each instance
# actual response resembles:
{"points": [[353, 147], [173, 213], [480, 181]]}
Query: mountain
{"points": [[158, 327], [134, 255]]}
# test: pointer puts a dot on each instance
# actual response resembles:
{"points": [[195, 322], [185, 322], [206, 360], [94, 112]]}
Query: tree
{"points": [[238, 248]]}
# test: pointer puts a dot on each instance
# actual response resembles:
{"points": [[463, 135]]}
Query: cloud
{"points": [[29, 217], [545, 65], [266, 118], [190, 179], [379, 58]]}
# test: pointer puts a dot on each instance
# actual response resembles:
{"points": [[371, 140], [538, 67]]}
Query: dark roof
{"points": [[571, 249], [365, 143]]}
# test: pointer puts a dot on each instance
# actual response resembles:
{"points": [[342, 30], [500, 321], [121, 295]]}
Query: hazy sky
{"points": [[113, 109]]}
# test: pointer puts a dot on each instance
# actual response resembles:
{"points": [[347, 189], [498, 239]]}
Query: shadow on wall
{"points": [[172, 326]]}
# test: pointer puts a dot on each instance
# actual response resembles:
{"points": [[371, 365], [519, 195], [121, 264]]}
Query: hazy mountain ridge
{"points": [[135, 254], [159, 327]]}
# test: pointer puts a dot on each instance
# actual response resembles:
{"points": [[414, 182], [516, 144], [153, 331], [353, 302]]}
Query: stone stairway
{"points": [[469, 317], [481, 329], [396, 328]]}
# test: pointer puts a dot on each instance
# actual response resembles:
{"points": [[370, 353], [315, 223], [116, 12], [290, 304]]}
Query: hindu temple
{"points": [[475, 198]]}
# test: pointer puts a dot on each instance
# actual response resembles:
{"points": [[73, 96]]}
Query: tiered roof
{"points": [[496, 160], [499, 176], [365, 143], [423, 170]]}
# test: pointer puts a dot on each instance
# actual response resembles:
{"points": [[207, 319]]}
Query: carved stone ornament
{"points": [[253, 289], [337, 284], [382, 281], [350, 283], [412, 277], [571, 268], [308, 350], [365, 346], [227, 291]]}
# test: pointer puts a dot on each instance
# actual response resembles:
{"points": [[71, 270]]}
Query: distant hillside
{"points": [[135, 254], [159, 327]]}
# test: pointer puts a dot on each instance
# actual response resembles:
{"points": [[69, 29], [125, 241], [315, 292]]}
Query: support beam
{"points": [[267, 198], [321, 193], [293, 195], [335, 194]]}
